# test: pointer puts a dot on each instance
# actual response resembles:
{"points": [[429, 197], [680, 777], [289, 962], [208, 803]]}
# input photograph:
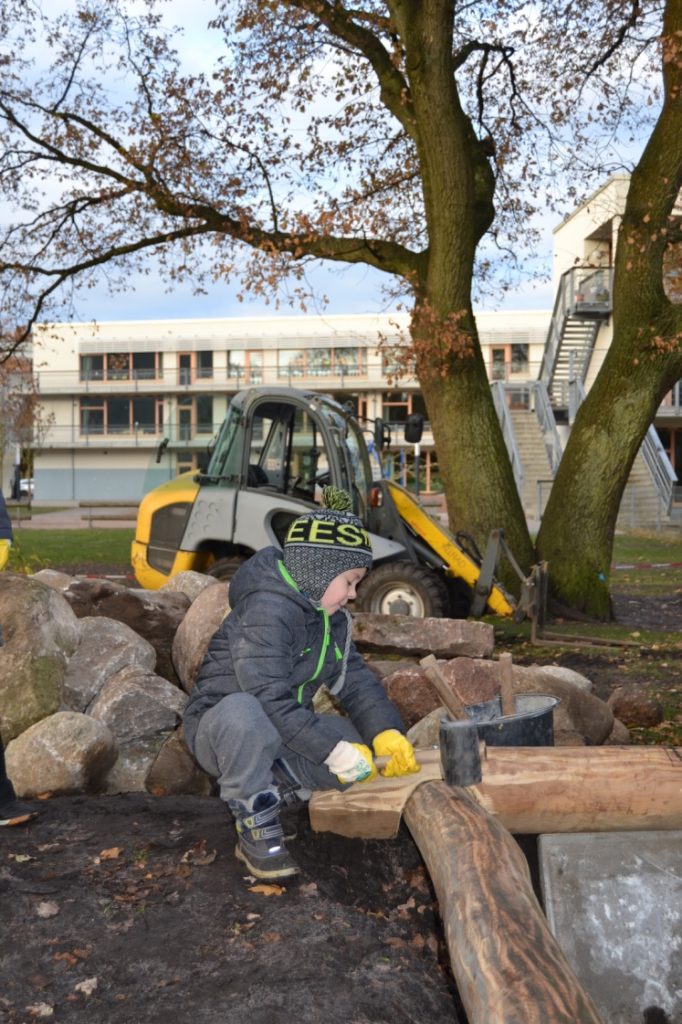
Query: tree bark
{"points": [[508, 967], [643, 362]]}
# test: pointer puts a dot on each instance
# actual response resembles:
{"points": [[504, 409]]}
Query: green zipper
{"points": [[286, 576]]}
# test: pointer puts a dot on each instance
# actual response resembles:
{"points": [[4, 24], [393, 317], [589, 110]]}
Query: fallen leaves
{"points": [[46, 908], [86, 987], [110, 854], [267, 890], [197, 854], [40, 1010]]}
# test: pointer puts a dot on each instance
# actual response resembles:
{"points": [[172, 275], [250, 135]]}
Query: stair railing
{"points": [[555, 330], [503, 415], [652, 451], [545, 417]]}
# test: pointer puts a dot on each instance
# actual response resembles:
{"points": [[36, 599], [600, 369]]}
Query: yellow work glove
{"points": [[351, 762], [393, 744], [5, 545]]}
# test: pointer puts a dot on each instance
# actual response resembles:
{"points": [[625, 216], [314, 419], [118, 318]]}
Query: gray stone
{"points": [[65, 753], [136, 704], [403, 634], [153, 614], [619, 735], [189, 583], [175, 771], [60, 581], [566, 675], [40, 634], [133, 764], [106, 646], [194, 633]]}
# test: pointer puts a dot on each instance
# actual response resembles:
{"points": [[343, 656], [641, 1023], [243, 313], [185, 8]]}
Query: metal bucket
{"points": [[531, 726]]}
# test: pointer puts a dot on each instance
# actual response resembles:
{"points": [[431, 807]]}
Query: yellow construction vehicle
{"points": [[276, 449]]}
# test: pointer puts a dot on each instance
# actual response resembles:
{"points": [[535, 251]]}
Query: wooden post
{"points": [[438, 681], [508, 967], [507, 699]]}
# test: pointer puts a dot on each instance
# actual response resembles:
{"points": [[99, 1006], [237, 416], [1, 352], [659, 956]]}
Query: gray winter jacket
{"points": [[278, 646]]}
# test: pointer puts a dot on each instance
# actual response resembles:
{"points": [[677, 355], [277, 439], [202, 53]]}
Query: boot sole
{"points": [[20, 819], [262, 872]]}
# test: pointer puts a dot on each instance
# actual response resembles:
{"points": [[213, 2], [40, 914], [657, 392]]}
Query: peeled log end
{"points": [[508, 966]]}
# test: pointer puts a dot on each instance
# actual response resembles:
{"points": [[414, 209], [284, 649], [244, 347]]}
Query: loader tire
{"points": [[225, 568], [404, 588]]}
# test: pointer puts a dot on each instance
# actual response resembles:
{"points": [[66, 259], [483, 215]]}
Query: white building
{"points": [[115, 391]]}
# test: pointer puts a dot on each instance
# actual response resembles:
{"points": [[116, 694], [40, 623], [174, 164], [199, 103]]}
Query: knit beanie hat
{"points": [[320, 545]]}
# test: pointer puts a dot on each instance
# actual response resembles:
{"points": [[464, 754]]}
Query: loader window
{"points": [[287, 452]]}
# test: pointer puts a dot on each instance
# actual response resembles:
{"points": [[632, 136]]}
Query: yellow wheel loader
{"points": [[276, 449]]}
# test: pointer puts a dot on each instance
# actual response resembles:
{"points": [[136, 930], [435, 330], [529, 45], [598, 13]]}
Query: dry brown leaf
{"points": [[267, 890], [111, 854], [47, 908], [271, 937], [309, 889]]}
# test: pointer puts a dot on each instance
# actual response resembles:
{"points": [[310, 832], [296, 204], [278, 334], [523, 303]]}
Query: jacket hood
{"points": [[261, 574]]}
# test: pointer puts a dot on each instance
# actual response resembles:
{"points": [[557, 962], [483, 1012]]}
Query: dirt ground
{"points": [[133, 910]]}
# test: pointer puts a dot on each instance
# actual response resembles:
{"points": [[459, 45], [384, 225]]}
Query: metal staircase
{"points": [[582, 304]]}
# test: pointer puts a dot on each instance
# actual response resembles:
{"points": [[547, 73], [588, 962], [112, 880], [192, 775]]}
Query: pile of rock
{"points": [[94, 677]]}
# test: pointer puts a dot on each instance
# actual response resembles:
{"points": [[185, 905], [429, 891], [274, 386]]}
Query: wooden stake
{"points": [[507, 685], [443, 689]]}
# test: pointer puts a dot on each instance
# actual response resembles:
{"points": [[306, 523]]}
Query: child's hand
{"points": [[393, 744], [351, 762]]}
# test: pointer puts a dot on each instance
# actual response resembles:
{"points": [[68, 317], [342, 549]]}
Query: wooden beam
{"points": [[508, 967], [529, 790]]}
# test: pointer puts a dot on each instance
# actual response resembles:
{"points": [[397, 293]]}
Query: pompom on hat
{"points": [[320, 545]]}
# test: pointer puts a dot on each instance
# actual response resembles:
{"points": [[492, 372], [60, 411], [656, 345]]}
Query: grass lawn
{"points": [[54, 549]]}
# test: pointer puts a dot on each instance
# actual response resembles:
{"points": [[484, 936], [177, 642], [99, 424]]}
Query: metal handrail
{"points": [[581, 290], [498, 392], [545, 416]]}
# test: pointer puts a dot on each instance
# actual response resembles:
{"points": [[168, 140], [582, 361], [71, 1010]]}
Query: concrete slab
{"points": [[613, 901]]}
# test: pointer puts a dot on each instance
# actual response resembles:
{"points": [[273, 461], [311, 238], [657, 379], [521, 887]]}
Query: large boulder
{"points": [[175, 771], [40, 633], [106, 646], [636, 707], [142, 710], [65, 753], [189, 583], [403, 634], [194, 633], [136, 704], [154, 614]]}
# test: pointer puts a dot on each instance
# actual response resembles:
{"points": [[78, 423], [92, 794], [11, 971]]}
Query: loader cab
{"points": [[275, 452]]}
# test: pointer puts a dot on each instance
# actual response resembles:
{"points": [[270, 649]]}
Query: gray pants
{"points": [[237, 743]]}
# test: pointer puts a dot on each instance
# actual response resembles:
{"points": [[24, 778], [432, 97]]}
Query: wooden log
{"points": [[508, 967], [530, 790]]}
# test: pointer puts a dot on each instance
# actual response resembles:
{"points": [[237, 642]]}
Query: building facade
{"points": [[129, 404]]}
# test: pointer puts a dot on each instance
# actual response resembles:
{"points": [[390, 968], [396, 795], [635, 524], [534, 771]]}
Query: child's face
{"points": [[341, 590]]}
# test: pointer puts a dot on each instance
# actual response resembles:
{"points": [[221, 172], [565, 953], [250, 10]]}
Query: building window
{"points": [[194, 366], [246, 367], [195, 416], [321, 362], [121, 415], [92, 416], [398, 405], [508, 359], [121, 366]]}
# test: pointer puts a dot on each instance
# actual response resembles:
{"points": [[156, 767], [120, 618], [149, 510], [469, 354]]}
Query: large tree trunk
{"points": [[642, 364], [458, 188]]}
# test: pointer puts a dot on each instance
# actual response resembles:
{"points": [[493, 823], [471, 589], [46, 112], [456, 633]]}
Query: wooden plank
{"points": [[508, 967], [507, 698], [529, 790]]}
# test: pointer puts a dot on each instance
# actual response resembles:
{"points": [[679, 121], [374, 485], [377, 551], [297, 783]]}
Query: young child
{"points": [[250, 720]]}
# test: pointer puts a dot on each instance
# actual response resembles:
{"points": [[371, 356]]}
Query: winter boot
{"points": [[16, 812], [260, 839]]}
